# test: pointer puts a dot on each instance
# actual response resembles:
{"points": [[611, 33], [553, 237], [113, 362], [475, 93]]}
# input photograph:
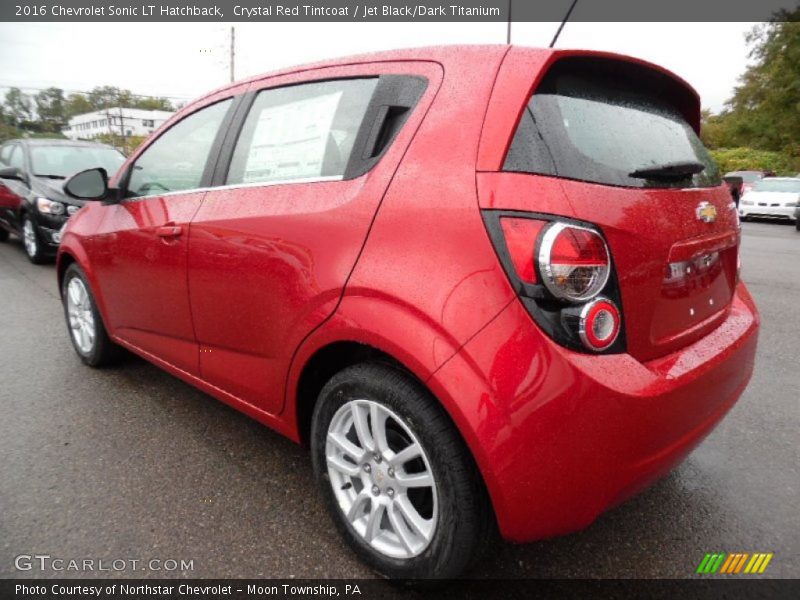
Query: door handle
{"points": [[169, 231]]}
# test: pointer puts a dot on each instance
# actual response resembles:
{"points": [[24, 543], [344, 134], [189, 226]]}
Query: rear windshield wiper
{"points": [[673, 170], [50, 176]]}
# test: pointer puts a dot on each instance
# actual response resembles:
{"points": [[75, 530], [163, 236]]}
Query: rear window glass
{"points": [[777, 185], [611, 123], [301, 132]]}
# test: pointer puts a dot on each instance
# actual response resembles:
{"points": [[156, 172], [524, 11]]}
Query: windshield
{"points": [[602, 123], [777, 185], [63, 161]]}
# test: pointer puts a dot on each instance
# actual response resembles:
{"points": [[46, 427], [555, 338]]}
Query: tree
{"points": [[763, 111], [152, 103], [51, 108], [108, 96], [18, 106], [77, 104]]}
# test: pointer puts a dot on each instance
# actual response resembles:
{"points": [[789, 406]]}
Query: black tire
{"points": [[36, 254], [465, 525], [103, 351], [3, 235], [797, 224]]}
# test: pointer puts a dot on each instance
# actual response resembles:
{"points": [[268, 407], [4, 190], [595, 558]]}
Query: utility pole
{"points": [[233, 51]]}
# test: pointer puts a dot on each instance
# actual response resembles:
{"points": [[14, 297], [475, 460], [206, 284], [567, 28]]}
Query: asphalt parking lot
{"points": [[130, 463]]}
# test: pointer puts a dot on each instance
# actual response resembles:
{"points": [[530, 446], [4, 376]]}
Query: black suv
{"points": [[32, 202]]}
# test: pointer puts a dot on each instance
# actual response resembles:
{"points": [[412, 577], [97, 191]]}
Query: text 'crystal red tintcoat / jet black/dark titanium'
{"points": [[490, 287]]}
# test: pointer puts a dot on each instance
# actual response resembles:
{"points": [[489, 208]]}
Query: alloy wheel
{"points": [[29, 238], [381, 478], [81, 318]]}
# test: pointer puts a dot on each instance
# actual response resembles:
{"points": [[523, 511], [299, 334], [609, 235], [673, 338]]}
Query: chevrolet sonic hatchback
{"points": [[492, 288]]}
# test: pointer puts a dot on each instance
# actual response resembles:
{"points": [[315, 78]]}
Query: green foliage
{"points": [[764, 112], [748, 159], [50, 106], [125, 145], [47, 113], [18, 107], [77, 104]]}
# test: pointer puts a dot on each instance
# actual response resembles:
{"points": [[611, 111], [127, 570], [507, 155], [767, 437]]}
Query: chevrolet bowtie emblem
{"points": [[706, 212]]}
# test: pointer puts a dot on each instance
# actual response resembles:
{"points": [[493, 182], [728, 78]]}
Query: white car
{"points": [[771, 197]]}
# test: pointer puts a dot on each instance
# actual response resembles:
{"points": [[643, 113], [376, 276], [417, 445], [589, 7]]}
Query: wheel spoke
{"points": [[74, 292], [415, 480], [378, 421], [374, 521], [346, 446], [400, 528], [355, 507], [344, 467], [412, 517], [362, 427], [406, 454]]}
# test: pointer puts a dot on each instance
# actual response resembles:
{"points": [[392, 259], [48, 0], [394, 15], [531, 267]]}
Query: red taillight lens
{"points": [[599, 323], [520, 236], [574, 262]]}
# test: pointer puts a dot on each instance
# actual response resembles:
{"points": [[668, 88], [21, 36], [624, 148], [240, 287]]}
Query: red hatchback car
{"points": [[488, 286]]}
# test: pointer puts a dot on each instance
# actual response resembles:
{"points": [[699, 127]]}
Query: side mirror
{"points": [[91, 184], [12, 173]]}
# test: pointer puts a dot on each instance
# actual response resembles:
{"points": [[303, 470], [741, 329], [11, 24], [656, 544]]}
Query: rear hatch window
{"points": [[612, 123]]}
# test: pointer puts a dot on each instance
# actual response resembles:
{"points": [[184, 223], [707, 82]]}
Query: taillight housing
{"points": [[573, 260], [564, 274]]}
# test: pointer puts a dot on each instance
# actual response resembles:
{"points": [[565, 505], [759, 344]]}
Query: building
{"points": [[126, 122]]}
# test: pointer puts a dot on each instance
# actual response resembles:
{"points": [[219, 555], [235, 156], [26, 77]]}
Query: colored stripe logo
{"points": [[734, 563]]}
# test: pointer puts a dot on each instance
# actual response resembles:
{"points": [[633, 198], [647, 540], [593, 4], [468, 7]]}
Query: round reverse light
{"points": [[599, 324], [574, 262]]}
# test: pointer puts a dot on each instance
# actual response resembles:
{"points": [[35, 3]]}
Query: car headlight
{"points": [[747, 202], [49, 207], [72, 209]]}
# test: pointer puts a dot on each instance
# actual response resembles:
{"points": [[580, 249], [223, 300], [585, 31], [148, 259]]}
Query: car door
{"points": [[140, 249], [271, 249]]}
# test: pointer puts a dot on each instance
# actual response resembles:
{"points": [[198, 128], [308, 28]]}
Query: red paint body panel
{"points": [[562, 436], [399, 259], [266, 261]]}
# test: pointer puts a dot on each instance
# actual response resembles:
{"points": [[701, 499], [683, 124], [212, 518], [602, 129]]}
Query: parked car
{"points": [[490, 287], [772, 197], [32, 201]]}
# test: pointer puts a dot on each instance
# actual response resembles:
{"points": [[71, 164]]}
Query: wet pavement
{"points": [[130, 463]]}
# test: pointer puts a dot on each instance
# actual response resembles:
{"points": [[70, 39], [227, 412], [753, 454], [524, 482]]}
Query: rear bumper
{"points": [[560, 437]]}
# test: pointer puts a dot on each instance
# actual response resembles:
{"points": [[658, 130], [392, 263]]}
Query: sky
{"points": [[186, 60]]}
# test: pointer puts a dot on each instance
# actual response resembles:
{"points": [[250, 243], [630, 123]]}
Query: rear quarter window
{"points": [[601, 120]]}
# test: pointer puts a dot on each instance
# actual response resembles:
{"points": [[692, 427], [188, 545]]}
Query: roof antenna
{"points": [[560, 27], [508, 30]]}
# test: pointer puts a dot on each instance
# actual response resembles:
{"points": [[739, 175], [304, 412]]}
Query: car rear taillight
{"points": [[598, 323], [563, 272], [573, 261]]}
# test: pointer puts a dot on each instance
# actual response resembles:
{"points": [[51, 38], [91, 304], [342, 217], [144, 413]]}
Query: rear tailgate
{"points": [[592, 123]]}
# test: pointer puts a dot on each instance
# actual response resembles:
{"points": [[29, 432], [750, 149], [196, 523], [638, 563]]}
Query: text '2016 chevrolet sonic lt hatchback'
{"points": [[492, 288]]}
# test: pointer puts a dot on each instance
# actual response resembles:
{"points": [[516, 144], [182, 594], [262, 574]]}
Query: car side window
{"points": [[300, 132], [5, 152], [177, 159], [16, 159]]}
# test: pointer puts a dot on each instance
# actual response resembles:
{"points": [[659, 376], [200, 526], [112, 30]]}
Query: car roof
{"points": [[444, 55], [781, 179]]}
